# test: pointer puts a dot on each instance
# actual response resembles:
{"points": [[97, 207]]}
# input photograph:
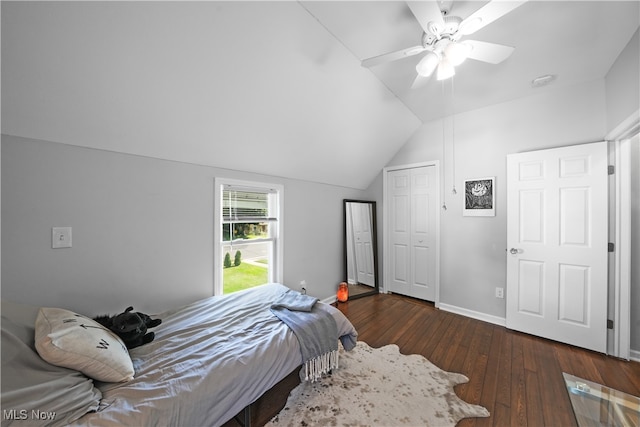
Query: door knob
{"points": [[514, 251]]}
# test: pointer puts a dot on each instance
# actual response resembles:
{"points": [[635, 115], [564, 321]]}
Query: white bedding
{"points": [[208, 361]]}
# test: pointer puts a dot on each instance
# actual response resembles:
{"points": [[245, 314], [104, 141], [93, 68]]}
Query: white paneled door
{"points": [[557, 227], [412, 197]]}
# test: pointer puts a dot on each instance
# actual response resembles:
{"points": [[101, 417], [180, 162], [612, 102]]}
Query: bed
{"points": [[209, 360]]}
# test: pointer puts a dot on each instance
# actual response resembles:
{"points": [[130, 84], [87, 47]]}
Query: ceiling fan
{"points": [[442, 42]]}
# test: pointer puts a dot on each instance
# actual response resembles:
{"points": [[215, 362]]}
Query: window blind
{"points": [[247, 205]]}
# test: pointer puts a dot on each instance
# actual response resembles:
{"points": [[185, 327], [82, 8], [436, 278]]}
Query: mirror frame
{"points": [[374, 244]]}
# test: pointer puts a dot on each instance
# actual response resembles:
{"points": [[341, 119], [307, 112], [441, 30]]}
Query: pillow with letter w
{"points": [[64, 338]]}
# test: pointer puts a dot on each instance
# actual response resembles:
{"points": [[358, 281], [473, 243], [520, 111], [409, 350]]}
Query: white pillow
{"points": [[64, 338]]}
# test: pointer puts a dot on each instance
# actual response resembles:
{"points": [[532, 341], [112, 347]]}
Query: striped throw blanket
{"points": [[314, 327]]}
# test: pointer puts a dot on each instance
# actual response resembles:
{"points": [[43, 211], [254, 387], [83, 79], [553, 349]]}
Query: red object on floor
{"points": [[343, 292]]}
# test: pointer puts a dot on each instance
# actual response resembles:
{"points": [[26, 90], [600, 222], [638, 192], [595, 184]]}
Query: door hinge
{"points": [[611, 169], [611, 247], [609, 324]]}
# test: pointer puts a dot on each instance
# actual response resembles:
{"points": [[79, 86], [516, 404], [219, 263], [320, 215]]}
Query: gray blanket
{"points": [[294, 300], [315, 329]]}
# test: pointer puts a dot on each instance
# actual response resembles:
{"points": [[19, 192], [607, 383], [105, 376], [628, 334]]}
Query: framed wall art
{"points": [[479, 197]]}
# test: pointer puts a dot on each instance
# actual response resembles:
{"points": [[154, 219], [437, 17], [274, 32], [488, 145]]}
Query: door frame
{"points": [[386, 216], [619, 340]]}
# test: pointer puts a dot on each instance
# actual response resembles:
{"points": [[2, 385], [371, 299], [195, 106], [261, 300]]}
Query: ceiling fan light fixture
{"points": [[445, 70], [442, 39], [428, 64], [457, 52]]}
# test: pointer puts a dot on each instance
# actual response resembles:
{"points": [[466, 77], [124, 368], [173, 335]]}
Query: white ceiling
{"points": [[577, 41], [272, 87]]}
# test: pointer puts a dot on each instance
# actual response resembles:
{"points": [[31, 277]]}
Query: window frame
{"points": [[276, 263]]}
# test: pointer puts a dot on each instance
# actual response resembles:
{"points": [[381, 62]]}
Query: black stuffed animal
{"points": [[130, 326]]}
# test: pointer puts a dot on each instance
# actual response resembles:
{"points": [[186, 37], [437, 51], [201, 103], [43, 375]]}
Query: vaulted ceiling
{"points": [[273, 87], [575, 41]]}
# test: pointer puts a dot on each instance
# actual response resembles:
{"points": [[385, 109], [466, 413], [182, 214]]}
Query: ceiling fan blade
{"points": [[425, 12], [487, 14], [420, 81], [392, 56], [488, 52]]}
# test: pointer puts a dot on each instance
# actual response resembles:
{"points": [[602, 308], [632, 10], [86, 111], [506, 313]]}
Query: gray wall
{"points": [[473, 261], [142, 229], [623, 84], [472, 249]]}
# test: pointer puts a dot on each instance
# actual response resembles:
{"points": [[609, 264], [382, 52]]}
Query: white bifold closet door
{"points": [[412, 197]]}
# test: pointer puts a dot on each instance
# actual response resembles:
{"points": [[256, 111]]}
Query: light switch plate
{"points": [[60, 237]]}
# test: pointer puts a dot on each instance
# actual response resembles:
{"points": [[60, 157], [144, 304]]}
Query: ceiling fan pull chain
{"points": [[444, 149], [453, 141]]}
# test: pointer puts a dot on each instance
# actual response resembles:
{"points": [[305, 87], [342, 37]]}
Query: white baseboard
{"points": [[634, 355], [329, 300], [500, 321]]}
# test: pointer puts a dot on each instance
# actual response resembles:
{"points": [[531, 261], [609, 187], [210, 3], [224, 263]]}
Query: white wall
{"points": [[623, 84], [473, 257], [142, 229]]}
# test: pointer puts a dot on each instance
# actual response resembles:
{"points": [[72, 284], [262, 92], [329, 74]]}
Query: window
{"points": [[248, 239]]}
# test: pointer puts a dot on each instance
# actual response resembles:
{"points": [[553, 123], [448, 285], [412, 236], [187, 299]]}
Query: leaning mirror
{"points": [[361, 254]]}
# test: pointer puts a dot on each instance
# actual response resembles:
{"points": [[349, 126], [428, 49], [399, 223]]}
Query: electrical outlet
{"points": [[60, 237], [303, 284], [499, 292]]}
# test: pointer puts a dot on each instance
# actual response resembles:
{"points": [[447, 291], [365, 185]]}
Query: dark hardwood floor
{"points": [[517, 377]]}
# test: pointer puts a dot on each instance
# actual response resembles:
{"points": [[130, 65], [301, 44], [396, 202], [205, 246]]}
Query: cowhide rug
{"points": [[379, 387]]}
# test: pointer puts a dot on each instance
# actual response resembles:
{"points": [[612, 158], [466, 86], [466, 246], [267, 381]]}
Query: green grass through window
{"points": [[243, 276]]}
